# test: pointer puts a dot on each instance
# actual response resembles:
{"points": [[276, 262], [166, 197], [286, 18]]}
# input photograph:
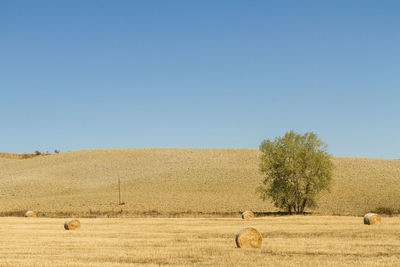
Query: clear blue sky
{"points": [[200, 74]]}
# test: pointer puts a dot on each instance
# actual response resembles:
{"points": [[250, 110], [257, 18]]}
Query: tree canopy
{"points": [[296, 168]]}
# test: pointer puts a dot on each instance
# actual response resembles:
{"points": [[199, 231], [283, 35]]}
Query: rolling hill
{"points": [[176, 182]]}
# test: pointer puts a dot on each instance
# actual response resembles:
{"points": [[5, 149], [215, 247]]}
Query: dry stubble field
{"points": [[287, 241], [176, 182], [186, 183]]}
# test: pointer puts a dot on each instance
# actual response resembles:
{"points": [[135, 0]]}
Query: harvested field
{"points": [[176, 182], [287, 241]]}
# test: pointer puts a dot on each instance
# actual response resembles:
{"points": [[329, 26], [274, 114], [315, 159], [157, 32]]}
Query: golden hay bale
{"points": [[248, 237], [248, 215], [30, 213], [372, 218], [72, 224]]}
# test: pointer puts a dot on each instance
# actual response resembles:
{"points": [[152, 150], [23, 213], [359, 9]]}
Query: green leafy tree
{"points": [[296, 168]]}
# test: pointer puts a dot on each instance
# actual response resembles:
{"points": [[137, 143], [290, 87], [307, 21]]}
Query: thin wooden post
{"points": [[119, 191]]}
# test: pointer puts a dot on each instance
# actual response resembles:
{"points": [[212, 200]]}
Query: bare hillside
{"points": [[176, 181]]}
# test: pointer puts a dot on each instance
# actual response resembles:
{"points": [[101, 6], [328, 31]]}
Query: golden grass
{"points": [[287, 241], [172, 182]]}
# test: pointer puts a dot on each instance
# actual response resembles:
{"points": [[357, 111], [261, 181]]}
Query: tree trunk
{"points": [[290, 209], [303, 205]]}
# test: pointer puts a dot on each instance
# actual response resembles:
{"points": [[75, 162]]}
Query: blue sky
{"points": [[200, 74]]}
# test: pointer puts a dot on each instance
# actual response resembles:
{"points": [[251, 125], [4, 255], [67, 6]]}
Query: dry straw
{"points": [[248, 215], [248, 237], [72, 224], [30, 213], [372, 218]]}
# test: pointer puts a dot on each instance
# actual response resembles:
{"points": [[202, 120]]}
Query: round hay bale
{"points": [[72, 224], [248, 215], [372, 218], [248, 237], [30, 213]]}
